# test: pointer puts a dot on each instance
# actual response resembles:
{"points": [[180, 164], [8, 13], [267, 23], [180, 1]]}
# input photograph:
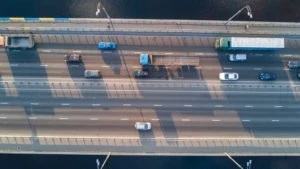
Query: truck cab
{"points": [[145, 59]]}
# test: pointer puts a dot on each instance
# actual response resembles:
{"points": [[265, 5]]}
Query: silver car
{"points": [[91, 73], [143, 125]]}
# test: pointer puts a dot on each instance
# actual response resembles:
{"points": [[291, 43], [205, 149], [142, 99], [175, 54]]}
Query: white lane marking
{"points": [[248, 106], [105, 66], [257, 68], [77, 51], [155, 119], [278, 106], [288, 55], [35, 103], [245, 120], [168, 53], [188, 105], [227, 68], [46, 50], [124, 119], [63, 118], [215, 120], [65, 104], [32, 118], [43, 65], [94, 119], [275, 120], [219, 106], [157, 105], [3, 103], [96, 104], [126, 104], [3, 117], [185, 119], [14, 65], [137, 52]]}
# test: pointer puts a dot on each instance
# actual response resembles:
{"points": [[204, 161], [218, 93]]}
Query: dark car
{"points": [[140, 74], [298, 74], [73, 58], [266, 76], [293, 64]]}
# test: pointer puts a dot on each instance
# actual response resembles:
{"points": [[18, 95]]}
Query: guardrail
{"points": [[152, 145], [21, 19]]}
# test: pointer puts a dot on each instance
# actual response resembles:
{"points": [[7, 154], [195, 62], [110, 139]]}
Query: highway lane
{"points": [[117, 64], [165, 99], [117, 123]]}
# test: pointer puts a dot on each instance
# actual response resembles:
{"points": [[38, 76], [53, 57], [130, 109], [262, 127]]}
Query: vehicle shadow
{"points": [[113, 60]]}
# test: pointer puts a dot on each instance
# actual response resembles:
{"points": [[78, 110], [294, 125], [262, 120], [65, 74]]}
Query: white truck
{"points": [[17, 41]]}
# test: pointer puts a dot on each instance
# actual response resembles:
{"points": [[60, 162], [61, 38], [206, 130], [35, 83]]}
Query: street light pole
{"points": [[249, 13], [99, 5]]}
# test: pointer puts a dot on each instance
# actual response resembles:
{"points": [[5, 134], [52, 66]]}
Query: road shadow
{"points": [[112, 59], [34, 95], [188, 72]]}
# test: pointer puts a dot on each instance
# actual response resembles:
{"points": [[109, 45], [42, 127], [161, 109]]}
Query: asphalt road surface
{"points": [[41, 95]]}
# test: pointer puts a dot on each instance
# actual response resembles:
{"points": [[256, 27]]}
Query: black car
{"points": [[267, 76], [73, 58], [140, 74]]}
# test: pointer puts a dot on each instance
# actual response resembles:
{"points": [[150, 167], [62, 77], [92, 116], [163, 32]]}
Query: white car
{"points": [[228, 76], [143, 125]]}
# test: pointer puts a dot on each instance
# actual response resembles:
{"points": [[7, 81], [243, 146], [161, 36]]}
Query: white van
{"points": [[91, 73], [237, 57], [142, 125]]}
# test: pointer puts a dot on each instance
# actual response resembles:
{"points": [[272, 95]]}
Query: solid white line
{"points": [[35, 103], [245, 120], [185, 119], [278, 106], [3, 117], [219, 106], [32, 118], [155, 119], [188, 105], [248, 106], [123, 119], [93, 118], [157, 105], [65, 104], [215, 120], [46, 50], [275, 120], [14, 65], [3, 103], [126, 104], [257, 68], [63, 118], [227, 68]]}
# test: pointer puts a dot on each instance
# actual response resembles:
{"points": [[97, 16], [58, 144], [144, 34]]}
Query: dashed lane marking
{"points": [[35, 104], [245, 120], [215, 120], [65, 104], [96, 104], [63, 118], [157, 105], [94, 119], [278, 106], [3, 117], [127, 105], [4, 103], [185, 119], [219, 106], [188, 105], [124, 119], [275, 120], [248, 106]]}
